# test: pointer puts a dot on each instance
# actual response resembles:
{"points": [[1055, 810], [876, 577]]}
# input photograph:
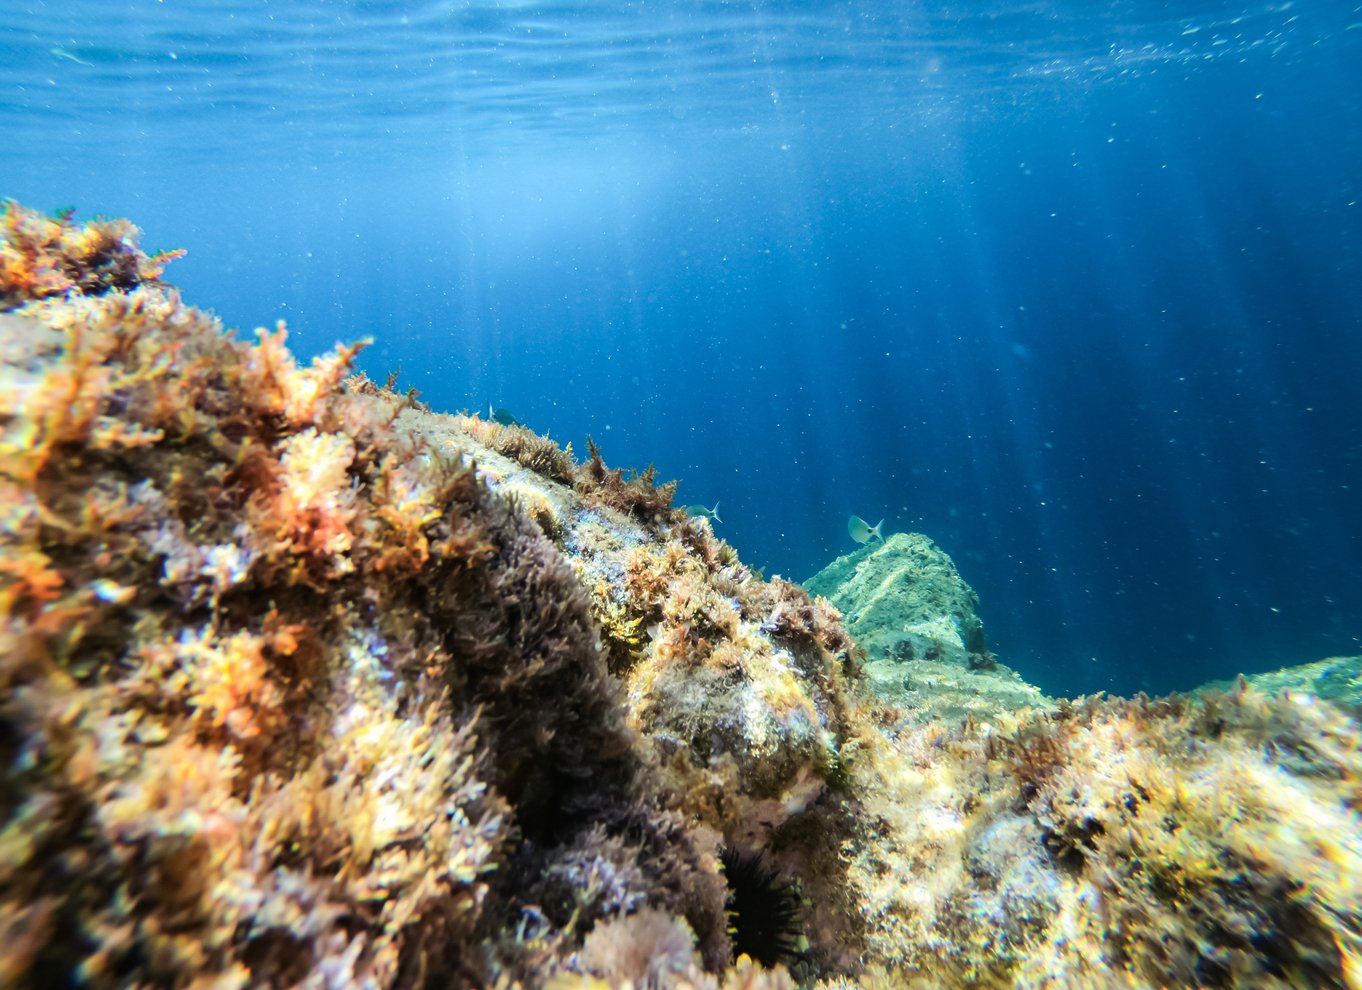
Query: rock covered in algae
{"points": [[907, 605], [903, 599], [1334, 679], [299, 690], [306, 684]]}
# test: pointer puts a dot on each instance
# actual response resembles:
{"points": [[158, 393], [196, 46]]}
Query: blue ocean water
{"points": [[1073, 288]]}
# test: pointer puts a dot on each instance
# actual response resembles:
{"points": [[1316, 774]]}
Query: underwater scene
{"points": [[680, 495]]}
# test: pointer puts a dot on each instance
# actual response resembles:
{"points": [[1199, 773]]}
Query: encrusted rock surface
{"points": [[905, 603], [903, 599], [1334, 679]]}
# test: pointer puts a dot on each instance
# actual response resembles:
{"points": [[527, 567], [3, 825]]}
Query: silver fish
{"points": [[861, 531]]}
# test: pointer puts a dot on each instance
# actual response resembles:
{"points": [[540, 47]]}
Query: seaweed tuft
{"points": [[635, 493], [45, 256]]}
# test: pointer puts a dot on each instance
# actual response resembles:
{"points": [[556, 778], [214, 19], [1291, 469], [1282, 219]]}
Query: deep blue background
{"points": [[1086, 315]]}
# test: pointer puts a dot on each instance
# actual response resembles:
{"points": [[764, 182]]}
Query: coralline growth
{"points": [[303, 683]]}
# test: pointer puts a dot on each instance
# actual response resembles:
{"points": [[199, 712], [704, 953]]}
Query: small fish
{"points": [[63, 53], [502, 416], [861, 532], [700, 512]]}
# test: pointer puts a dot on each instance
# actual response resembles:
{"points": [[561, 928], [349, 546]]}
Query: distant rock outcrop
{"points": [[1335, 679], [904, 602], [903, 599]]}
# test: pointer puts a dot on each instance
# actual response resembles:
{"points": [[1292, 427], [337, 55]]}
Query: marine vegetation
{"points": [[42, 257], [538, 453], [305, 683], [635, 493]]}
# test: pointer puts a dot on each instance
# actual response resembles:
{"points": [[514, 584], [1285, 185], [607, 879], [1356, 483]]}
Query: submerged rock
{"points": [[903, 599], [906, 604], [1334, 679], [303, 683]]}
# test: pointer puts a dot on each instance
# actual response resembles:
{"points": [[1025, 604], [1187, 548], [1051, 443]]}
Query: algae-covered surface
{"points": [[903, 598], [305, 684], [1334, 679], [905, 603]]}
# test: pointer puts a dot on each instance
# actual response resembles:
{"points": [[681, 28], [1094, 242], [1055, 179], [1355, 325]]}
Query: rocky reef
{"points": [[907, 606], [1333, 679], [903, 599], [305, 684]]}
